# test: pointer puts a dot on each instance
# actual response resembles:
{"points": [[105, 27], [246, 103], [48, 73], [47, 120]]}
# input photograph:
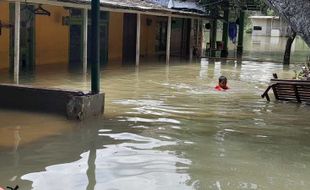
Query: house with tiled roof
{"points": [[57, 31]]}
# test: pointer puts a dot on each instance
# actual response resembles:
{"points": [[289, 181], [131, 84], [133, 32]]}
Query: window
{"points": [[257, 28]]}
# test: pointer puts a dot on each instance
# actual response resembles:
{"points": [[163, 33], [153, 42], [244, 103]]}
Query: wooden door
{"points": [[76, 39], [129, 38], [185, 38]]}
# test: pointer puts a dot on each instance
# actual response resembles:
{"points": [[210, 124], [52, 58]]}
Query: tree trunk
{"points": [[287, 54], [296, 13]]}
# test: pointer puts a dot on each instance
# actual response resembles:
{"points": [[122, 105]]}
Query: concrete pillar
{"points": [[213, 38], [281, 28], [85, 34], [271, 26], [138, 39], [168, 40], [202, 38], [224, 52], [240, 34], [16, 40], [197, 33], [95, 47], [191, 41]]}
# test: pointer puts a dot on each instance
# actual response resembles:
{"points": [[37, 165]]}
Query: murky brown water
{"points": [[263, 48], [164, 127], [272, 49]]}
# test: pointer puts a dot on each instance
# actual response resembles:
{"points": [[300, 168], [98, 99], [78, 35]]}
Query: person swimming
{"points": [[222, 84]]}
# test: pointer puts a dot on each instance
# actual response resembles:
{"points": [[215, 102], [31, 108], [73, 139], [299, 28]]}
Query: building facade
{"points": [[57, 32], [268, 26]]}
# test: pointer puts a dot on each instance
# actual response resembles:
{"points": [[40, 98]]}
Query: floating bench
{"points": [[74, 104], [289, 90]]}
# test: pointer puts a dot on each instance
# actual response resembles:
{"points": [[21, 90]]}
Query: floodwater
{"points": [[263, 48], [164, 127], [272, 49]]}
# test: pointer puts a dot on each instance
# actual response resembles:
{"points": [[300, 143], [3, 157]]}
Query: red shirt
{"points": [[218, 88]]}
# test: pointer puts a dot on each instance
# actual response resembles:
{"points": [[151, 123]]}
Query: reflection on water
{"points": [[164, 127], [272, 49], [263, 48]]}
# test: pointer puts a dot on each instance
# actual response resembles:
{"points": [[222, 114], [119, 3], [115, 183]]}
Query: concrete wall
{"points": [[52, 37], [116, 37], [4, 38], [147, 38], [263, 24], [73, 104], [148, 35], [279, 28], [270, 27]]}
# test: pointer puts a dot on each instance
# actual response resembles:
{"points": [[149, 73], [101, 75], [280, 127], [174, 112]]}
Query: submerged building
{"points": [[57, 31], [269, 26]]}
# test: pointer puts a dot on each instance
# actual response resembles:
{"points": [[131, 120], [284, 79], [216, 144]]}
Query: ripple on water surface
{"points": [[165, 127]]}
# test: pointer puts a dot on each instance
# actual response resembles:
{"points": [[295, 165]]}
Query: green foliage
{"points": [[249, 30], [220, 4], [302, 72], [270, 12]]}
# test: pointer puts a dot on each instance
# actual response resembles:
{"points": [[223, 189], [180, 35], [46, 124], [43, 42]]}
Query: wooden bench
{"points": [[289, 90]]}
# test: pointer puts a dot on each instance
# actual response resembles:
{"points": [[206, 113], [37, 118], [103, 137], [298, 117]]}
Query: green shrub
{"points": [[249, 30]]}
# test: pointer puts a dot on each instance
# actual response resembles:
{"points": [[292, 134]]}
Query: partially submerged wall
{"points": [[73, 104], [5, 34], [115, 37], [52, 37]]}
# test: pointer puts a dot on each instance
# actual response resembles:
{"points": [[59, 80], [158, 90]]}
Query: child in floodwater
{"points": [[222, 84]]}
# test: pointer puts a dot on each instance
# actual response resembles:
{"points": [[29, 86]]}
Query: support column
{"points": [[168, 40], [197, 34], [213, 38], [16, 40], [138, 39], [85, 34], [281, 30], [95, 46], [240, 34], [191, 41], [224, 52], [202, 38]]}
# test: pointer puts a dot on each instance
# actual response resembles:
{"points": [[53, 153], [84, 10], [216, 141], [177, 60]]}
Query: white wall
{"points": [[265, 30], [270, 27]]}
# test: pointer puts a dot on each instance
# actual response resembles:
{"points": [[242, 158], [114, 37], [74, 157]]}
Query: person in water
{"points": [[222, 84]]}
